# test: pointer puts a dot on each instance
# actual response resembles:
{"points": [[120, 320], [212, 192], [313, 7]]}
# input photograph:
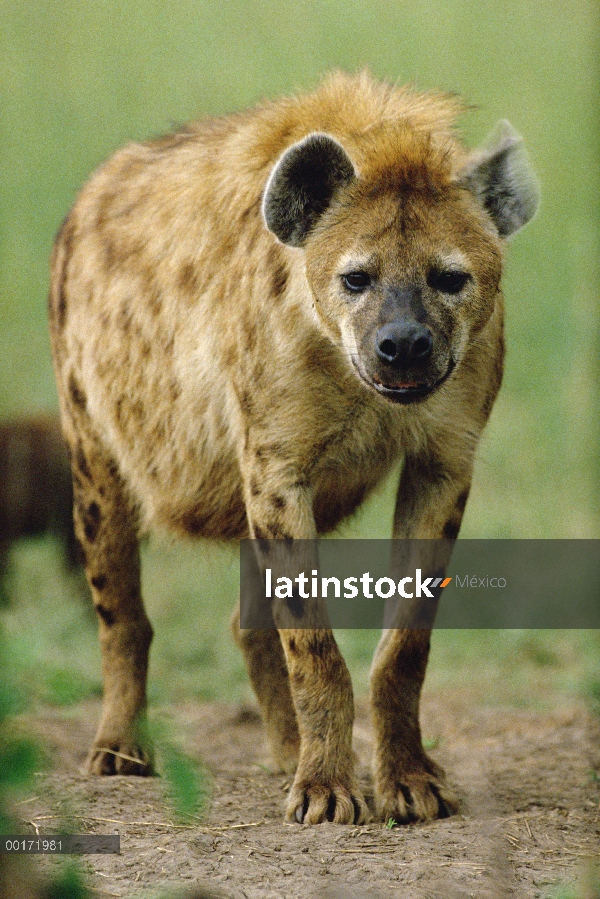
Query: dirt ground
{"points": [[530, 781]]}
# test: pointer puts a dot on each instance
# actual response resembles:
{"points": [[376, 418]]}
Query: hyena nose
{"points": [[403, 343]]}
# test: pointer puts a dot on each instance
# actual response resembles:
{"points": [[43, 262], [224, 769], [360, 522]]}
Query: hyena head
{"points": [[404, 250]]}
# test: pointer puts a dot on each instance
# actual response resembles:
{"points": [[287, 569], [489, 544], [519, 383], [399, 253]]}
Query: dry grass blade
{"points": [[122, 755]]}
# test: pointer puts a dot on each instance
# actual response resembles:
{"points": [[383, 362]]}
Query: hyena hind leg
{"points": [[106, 527], [267, 669]]}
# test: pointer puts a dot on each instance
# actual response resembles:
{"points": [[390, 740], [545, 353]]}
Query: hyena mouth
{"points": [[405, 392]]}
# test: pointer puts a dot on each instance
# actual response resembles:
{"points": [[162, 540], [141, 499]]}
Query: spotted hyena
{"points": [[252, 320]]}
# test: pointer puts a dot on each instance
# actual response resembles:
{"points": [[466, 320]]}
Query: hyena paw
{"points": [[415, 796], [312, 802], [126, 756]]}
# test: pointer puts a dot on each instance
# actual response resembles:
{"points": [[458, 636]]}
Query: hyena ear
{"points": [[501, 176], [302, 185]]}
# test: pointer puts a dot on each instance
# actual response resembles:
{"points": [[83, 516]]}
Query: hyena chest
{"points": [[211, 503], [346, 475], [184, 459]]}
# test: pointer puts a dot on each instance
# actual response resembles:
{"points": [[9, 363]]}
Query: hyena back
{"points": [[252, 320]]}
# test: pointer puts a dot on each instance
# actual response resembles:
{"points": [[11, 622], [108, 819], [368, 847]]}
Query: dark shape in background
{"points": [[36, 490]]}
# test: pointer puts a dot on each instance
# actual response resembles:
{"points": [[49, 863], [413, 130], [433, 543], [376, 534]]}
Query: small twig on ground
{"points": [[122, 755], [512, 840]]}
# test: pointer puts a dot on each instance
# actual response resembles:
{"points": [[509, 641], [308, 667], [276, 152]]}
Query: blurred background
{"points": [[80, 78]]}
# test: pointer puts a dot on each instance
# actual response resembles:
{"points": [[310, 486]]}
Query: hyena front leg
{"points": [[325, 787], [106, 527], [409, 785], [267, 670]]}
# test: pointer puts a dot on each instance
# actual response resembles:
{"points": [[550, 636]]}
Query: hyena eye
{"points": [[356, 281], [450, 281]]}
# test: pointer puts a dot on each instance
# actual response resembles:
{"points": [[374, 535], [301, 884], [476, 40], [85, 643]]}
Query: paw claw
{"points": [[420, 797], [317, 803]]}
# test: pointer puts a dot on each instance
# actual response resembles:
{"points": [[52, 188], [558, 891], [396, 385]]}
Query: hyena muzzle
{"points": [[252, 320]]}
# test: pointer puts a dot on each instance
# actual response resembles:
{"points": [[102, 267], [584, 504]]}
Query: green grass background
{"points": [[79, 78]]}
